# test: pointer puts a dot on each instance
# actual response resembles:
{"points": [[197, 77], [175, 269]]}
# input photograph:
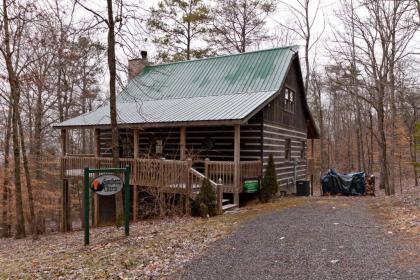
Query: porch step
{"points": [[225, 201], [228, 207]]}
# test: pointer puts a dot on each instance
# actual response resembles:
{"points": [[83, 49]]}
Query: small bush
{"points": [[204, 204], [269, 184]]}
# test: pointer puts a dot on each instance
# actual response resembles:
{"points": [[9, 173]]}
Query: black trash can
{"points": [[303, 188]]}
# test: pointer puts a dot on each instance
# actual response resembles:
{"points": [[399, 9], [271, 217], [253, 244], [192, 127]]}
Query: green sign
{"points": [[251, 185], [107, 184]]}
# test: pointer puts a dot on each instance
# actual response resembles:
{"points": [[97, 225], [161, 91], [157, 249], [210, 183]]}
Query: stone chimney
{"points": [[136, 65]]}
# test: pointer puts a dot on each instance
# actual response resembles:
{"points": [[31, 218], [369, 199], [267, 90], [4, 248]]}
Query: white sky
{"points": [[319, 52]]}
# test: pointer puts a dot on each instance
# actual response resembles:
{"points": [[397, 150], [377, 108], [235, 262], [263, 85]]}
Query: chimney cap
{"points": [[143, 54]]}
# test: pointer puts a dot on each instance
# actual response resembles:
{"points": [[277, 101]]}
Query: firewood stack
{"points": [[370, 185]]}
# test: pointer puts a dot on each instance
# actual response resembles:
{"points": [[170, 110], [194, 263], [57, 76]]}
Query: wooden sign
{"points": [[251, 185], [107, 184]]}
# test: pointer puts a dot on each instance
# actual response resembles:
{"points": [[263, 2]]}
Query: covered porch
{"points": [[172, 160]]}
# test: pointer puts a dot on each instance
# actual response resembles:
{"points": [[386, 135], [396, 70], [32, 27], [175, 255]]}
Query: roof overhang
{"points": [[157, 125], [197, 111]]}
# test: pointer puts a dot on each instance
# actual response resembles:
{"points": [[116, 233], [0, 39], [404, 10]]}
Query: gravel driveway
{"points": [[332, 238]]}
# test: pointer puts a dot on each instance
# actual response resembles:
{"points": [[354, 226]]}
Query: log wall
{"points": [[280, 126], [213, 142]]}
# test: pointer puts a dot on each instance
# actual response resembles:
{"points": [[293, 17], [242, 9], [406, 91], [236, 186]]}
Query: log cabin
{"points": [[218, 118]]}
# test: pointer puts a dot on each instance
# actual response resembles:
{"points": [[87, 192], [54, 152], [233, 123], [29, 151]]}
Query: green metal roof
{"points": [[228, 88], [251, 72]]}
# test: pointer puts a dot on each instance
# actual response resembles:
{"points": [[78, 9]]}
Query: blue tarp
{"points": [[346, 184]]}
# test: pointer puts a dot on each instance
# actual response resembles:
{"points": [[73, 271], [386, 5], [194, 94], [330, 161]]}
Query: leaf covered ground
{"points": [[400, 215], [155, 249]]}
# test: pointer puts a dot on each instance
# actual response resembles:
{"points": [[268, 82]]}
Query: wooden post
{"points": [[206, 167], [95, 197], [189, 192], [237, 162], [313, 168], [65, 223], [136, 143], [63, 142], [219, 194], [182, 143], [136, 156]]}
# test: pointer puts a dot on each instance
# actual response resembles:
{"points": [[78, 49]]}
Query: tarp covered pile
{"points": [[346, 184]]}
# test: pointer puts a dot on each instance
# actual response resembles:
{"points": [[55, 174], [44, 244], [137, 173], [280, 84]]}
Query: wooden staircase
{"points": [[195, 181], [227, 205]]}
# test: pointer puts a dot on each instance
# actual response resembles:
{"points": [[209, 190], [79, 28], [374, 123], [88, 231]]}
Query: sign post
{"points": [[107, 184]]}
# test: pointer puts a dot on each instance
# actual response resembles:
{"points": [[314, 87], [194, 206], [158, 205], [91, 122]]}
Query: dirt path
{"points": [[332, 238]]}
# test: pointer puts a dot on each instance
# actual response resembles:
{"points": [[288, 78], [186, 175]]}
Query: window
{"points": [[289, 100], [302, 150], [159, 147], [287, 150]]}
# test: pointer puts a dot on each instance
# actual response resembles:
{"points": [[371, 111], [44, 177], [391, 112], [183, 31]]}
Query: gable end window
{"points": [[289, 100]]}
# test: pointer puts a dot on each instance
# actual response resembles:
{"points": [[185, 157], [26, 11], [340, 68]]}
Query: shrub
{"points": [[269, 184], [205, 203]]}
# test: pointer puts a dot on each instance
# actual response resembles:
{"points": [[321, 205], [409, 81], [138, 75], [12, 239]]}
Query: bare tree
{"points": [[304, 15], [383, 25], [12, 34], [6, 196], [113, 20]]}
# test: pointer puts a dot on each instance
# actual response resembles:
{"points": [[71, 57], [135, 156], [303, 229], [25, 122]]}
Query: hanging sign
{"points": [[107, 184]]}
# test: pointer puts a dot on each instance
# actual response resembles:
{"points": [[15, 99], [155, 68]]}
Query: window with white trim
{"points": [[289, 100]]}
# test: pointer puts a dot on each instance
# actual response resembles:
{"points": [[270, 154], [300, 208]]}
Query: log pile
{"points": [[370, 185]]}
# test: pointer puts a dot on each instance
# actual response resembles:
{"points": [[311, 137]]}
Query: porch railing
{"points": [[224, 171], [171, 174]]}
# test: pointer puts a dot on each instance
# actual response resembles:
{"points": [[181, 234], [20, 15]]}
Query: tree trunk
{"points": [[391, 62], [15, 96], [28, 182], [370, 154], [383, 153], [307, 42], [324, 155], [38, 135], [113, 107], [413, 155], [5, 226]]}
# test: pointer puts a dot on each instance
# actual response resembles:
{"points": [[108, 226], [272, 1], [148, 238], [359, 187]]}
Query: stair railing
{"points": [[196, 180]]}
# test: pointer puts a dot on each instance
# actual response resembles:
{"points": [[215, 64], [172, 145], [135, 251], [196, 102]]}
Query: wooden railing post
{"points": [[65, 222], [219, 197], [189, 188], [206, 167], [162, 172]]}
